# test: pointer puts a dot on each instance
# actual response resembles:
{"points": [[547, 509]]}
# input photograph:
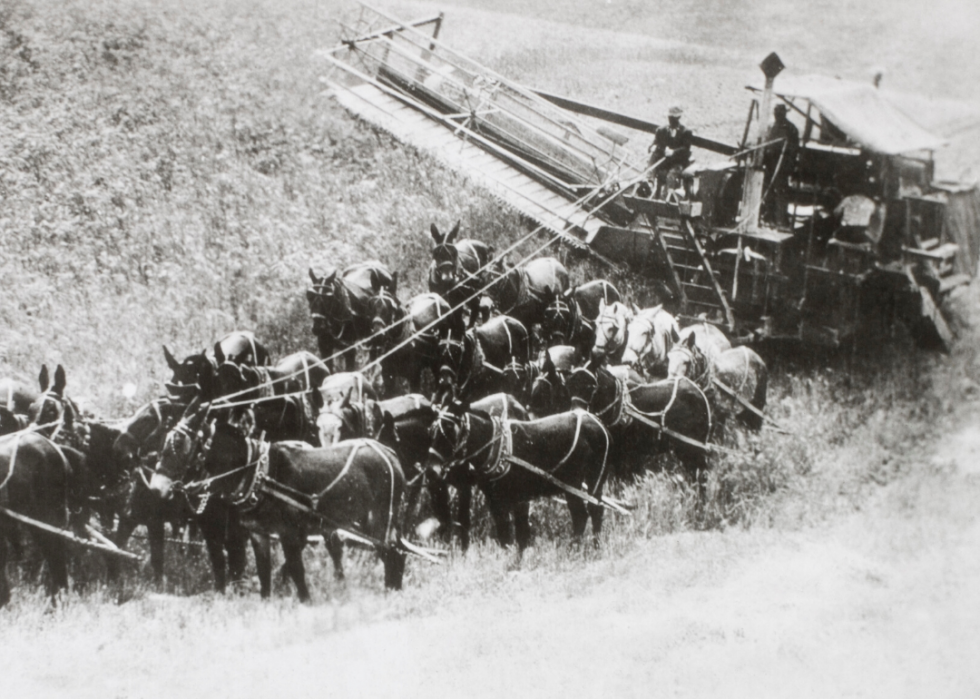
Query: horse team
{"points": [[536, 389]]}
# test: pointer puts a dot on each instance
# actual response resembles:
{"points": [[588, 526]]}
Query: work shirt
{"points": [[678, 139], [786, 131]]}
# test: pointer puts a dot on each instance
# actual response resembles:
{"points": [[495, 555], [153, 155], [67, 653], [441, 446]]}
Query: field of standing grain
{"points": [[168, 173]]}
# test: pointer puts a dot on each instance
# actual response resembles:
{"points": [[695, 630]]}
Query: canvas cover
{"points": [[861, 111]]}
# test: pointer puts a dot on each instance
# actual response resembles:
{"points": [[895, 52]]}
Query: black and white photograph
{"points": [[489, 348]]}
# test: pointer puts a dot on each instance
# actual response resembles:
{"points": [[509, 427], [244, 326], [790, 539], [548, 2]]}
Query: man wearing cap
{"points": [[670, 151], [779, 161]]}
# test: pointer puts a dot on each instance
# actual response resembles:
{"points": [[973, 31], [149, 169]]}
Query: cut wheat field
{"points": [[170, 170]]}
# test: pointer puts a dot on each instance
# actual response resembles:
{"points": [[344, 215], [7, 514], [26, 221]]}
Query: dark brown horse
{"points": [[523, 292], [471, 366], [411, 417], [459, 271], [56, 416], [589, 295], [411, 343], [339, 308], [572, 447], [194, 375], [564, 323], [353, 489], [137, 449], [280, 397], [646, 419], [47, 483]]}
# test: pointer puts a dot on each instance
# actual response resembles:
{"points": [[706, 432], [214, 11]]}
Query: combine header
{"points": [[857, 230]]}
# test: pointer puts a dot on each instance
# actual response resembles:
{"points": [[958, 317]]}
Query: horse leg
{"points": [[212, 529], [394, 563], [263, 562], [439, 499], [4, 583], [236, 540], [335, 547], [55, 554], [580, 515], [155, 535], [292, 548], [124, 529], [464, 495], [350, 359], [522, 525], [501, 520], [596, 513]]}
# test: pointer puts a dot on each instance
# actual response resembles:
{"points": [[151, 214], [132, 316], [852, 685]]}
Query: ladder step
{"points": [[698, 286], [688, 267]]}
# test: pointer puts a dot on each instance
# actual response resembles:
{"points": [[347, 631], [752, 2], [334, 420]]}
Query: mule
{"points": [[410, 418], [56, 416], [459, 271], [639, 417], [611, 332], [523, 292], [339, 308], [564, 323], [194, 375], [411, 346], [572, 447], [518, 378], [471, 367], [137, 448], [651, 334], [279, 397], [45, 482], [354, 487], [740, 369], [710, 339]]}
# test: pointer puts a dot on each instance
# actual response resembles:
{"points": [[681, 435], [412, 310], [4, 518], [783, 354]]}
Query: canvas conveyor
{"points": [[543, 161]]}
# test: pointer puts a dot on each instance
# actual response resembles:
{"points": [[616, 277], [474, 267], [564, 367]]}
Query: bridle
{"points": [[696, 360], [602, 336]]}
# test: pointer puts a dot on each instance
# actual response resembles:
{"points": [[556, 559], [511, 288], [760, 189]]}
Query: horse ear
{"points": [[690, 341], [328, 278], [316, 280], [43, 379], [674, 337], [549, 366], [345, 403], [219, 356], [59, 380], [453, 233], [436, 235], [634, 308], [394, 283], [171, 360], [387, 434], [548, 291]]}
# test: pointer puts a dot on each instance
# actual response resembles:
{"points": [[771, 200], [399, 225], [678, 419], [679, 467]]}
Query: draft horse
{"points": [[339, 308], [458, 271], [471, 366], [194, 375], [292, 489], [572, 448]]}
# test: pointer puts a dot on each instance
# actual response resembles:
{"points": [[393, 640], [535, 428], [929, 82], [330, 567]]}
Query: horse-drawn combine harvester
{"points": [[859, 230]]}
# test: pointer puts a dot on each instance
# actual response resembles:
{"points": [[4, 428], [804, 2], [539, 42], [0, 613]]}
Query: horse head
{"points": [[687, 359], [335, 422], [386, 314], [444, 272], [329, 305], [447, 439], [517, 379], [651, 333], [583, 383], [610, 329], [455, 355], [180, 448], [194, 376], [559, 317], [53, 414], [549, 394]]}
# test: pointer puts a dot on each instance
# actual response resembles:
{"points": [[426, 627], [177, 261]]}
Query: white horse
{"points": [[651, 334]]}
